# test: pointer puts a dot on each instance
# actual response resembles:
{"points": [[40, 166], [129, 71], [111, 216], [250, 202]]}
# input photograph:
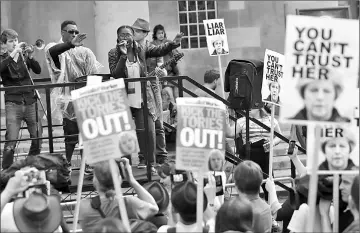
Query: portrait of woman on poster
{"points": [[218, 44], [128, 143], [337, 151], [320, 96]]}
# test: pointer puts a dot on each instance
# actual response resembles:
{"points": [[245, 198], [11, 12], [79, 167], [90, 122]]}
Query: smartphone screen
{"points": [[291, 147], [178, 177]]}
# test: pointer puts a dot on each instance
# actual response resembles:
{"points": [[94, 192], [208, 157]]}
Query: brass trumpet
{"points": [[39, 45]]}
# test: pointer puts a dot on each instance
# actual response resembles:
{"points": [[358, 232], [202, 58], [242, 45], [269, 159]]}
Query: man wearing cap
{"points": [[319, 99], [218, 43], [128, 60], [141, 29]]}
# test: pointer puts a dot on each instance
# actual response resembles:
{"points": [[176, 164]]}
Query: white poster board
{"points": [[200, 130], [321, 70], [105, 121], [216, 37], [272, 77]]}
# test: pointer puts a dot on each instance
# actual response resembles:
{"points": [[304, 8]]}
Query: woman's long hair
{"points": [[156, 29]]}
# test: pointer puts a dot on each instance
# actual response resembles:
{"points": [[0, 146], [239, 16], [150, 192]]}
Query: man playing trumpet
{"points": [[19, 104]]}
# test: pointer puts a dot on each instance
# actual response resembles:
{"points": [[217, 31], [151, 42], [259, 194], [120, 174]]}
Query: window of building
{"points": [[191, 16]]}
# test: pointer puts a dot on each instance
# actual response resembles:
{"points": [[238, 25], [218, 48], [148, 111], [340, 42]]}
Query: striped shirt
{"points": [[256, 132]]}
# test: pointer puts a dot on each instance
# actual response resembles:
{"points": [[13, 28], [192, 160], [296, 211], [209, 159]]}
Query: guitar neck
{"points": [[152, 73]]}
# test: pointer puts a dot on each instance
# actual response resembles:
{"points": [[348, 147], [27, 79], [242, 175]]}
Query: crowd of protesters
{"points": [[171, 205]]}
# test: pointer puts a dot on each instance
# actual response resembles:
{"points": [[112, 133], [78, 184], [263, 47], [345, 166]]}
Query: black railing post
{"points": [[145, 132], [247, 145], [181, 90], [49, 119], [293, 171]]}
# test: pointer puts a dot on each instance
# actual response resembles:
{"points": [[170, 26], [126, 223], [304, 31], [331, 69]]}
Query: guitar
{"points": [[175, 59]]}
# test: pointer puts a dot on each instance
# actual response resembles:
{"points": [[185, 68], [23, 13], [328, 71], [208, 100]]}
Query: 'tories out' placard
{"points": [[200, 130], [105, 121]]}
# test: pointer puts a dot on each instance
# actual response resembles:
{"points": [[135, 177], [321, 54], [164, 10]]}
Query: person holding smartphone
{"points": [[93, 210]]}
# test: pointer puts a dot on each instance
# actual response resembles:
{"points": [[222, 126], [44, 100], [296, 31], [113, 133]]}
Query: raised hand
{"points": [[178, 37], [78, 39]]}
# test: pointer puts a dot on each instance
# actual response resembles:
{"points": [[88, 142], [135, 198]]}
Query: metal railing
{"points": [[229, 157]]}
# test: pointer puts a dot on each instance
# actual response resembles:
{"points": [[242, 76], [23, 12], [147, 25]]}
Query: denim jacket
{"points": [[117, 66]]}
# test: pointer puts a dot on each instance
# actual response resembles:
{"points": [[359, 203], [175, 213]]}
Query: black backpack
{"points": [[243, 79]]}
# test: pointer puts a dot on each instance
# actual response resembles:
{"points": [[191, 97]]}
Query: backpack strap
{"points": [[96, 205]]}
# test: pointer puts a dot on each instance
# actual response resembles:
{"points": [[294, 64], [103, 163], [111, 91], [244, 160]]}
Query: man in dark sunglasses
{"points": [[67, 60]]}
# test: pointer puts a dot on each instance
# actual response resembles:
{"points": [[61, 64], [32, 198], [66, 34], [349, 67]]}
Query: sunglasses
{"points": [[76, 32]]}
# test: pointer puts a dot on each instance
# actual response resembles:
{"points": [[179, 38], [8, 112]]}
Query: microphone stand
{"points": [[38, 98]]}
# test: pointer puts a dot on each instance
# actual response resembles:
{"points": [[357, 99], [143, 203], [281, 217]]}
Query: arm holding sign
{"points": [[143, 195]]}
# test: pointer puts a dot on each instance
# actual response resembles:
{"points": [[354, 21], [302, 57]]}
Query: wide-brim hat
{"points": [[159, 193], [141, 24], [184, 199], [37, 213]]}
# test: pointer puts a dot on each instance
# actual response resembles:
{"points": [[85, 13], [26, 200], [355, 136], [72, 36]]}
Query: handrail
{"points": [[168, 78]]}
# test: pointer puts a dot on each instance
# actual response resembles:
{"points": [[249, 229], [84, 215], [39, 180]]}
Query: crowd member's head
{"points": [[128, 142], [126, 33], [248, 178], [110, 225], [345, 185], [160, 195], [9, 38], [234, 215], [337, 150], [68, 30], [354, 196], [320, 95], [159, 33], [103, 181], [274, 88], [37, 213], [141, 28], [183, 200], [218, 43], [216, 160], [211, 78]]}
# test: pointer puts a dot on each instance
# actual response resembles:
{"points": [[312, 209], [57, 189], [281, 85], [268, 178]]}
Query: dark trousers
{"points": [[70, 127], [138, 115], [259, 156], [15, 114]]}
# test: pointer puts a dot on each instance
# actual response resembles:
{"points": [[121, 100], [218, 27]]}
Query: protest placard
{"points": [[321, 70], [200, 129], [339, 149], [105, 121], [216, 37], [272, 77]]}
